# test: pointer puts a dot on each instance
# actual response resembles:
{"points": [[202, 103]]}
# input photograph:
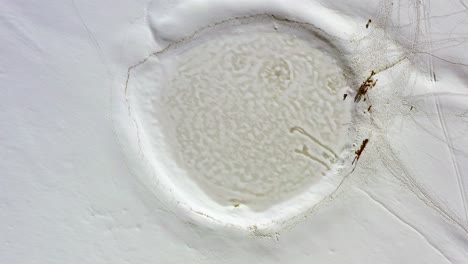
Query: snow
{"points": [[80, 185]]}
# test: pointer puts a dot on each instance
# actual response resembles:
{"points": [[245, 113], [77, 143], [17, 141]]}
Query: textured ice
{"points": [[254, 117], [250, 114]]}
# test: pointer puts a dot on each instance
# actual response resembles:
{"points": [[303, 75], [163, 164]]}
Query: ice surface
{"points": [[253, 115]]}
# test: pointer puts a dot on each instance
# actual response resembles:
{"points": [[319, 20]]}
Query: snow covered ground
{"points": [[203, 131]]}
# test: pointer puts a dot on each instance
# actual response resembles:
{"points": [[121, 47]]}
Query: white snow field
{"points": [[208, 131]]}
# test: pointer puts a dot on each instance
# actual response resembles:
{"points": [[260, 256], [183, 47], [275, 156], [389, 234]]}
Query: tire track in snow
{"points": [[461, 185], [405, 223], [393, 164]]}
